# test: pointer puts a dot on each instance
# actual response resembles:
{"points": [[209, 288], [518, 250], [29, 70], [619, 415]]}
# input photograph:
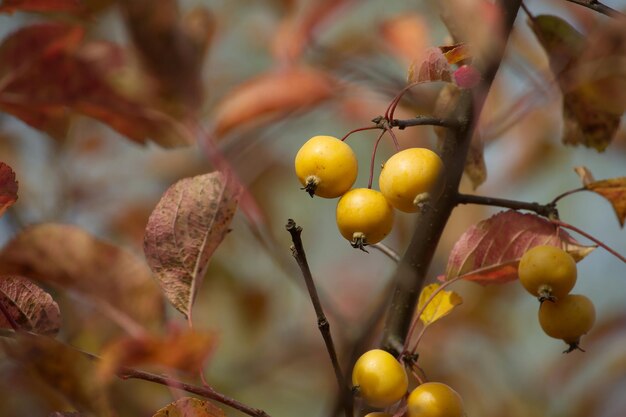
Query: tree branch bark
{"points": [[413, 268]]}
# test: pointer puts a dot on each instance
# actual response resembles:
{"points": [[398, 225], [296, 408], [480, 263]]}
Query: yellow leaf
{"points": [[436, 305]]}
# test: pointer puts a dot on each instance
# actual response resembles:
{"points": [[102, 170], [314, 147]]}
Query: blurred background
{"points": [[354, 56]]}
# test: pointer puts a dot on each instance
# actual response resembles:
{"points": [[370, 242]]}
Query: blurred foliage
{"points": [[177, 74]]}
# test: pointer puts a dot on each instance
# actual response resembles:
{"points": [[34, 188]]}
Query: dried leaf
{"points": [[183, 350], [44, 86], [614, 190], [66, 414], [270, 95], [489, 252], [190, 407], [438, 306], [475, 167], [8, 187], [31, 308], [432, 67], [457, 53], [585, 175], [183, 231], [588, 120], [68, 257], [41, 6], [63, 368], [157, 29], [406, 35]]}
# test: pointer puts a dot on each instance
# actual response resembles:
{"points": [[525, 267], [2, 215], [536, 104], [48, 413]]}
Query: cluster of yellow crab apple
{"points": [[327, 167]]}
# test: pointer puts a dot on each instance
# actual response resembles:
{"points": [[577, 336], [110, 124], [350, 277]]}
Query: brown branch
{"points": [[546, 210], [206, 392], [422, 121], [322, 323], [598, 7], [413, 268]]}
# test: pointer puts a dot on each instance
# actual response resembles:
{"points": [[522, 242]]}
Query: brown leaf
{"points": [[157, 29], [489, 252], [183, 350], [68, 257], [8, 187], [406, 35], [44, 86], [31, 308], [592, 85], [183, 231], [63, 368], [271, 95], [41, 6], [297, 30], [432, 67], [66, 414], [190, 407]]}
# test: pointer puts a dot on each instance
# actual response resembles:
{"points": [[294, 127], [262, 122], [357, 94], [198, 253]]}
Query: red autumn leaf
{"points": [[190, 407], [8, 187], [406, 35], [270, 95], [433, 66], [613, 189], [29, 306], [185, 228], [70, 258], [181, 350], [56, 80], [62, 368], [489, 251], [67, 6]]}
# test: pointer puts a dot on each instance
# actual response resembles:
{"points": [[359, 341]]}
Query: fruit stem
{"points": [[297, 250], [373, 161], [588, 236], [360, 129]]}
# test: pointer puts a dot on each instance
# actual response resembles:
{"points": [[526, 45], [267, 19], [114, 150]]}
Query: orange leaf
{"points": [[439, 305], [190, 407], [489, 252], [456, 53], [406, 35], [614, 190], [270, 95], [184, 350]]}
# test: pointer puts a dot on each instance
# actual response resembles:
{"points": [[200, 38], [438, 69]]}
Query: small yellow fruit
{"points": [[547, 272], [408, 175], [380, 378], [434, 399], [567, 318], [326, 166], [364, 216]]}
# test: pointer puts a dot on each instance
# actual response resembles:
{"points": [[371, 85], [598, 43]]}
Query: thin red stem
{"points": [[421, 311], [360, 129], [588, 236], [369, 184], [394, 138]]}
